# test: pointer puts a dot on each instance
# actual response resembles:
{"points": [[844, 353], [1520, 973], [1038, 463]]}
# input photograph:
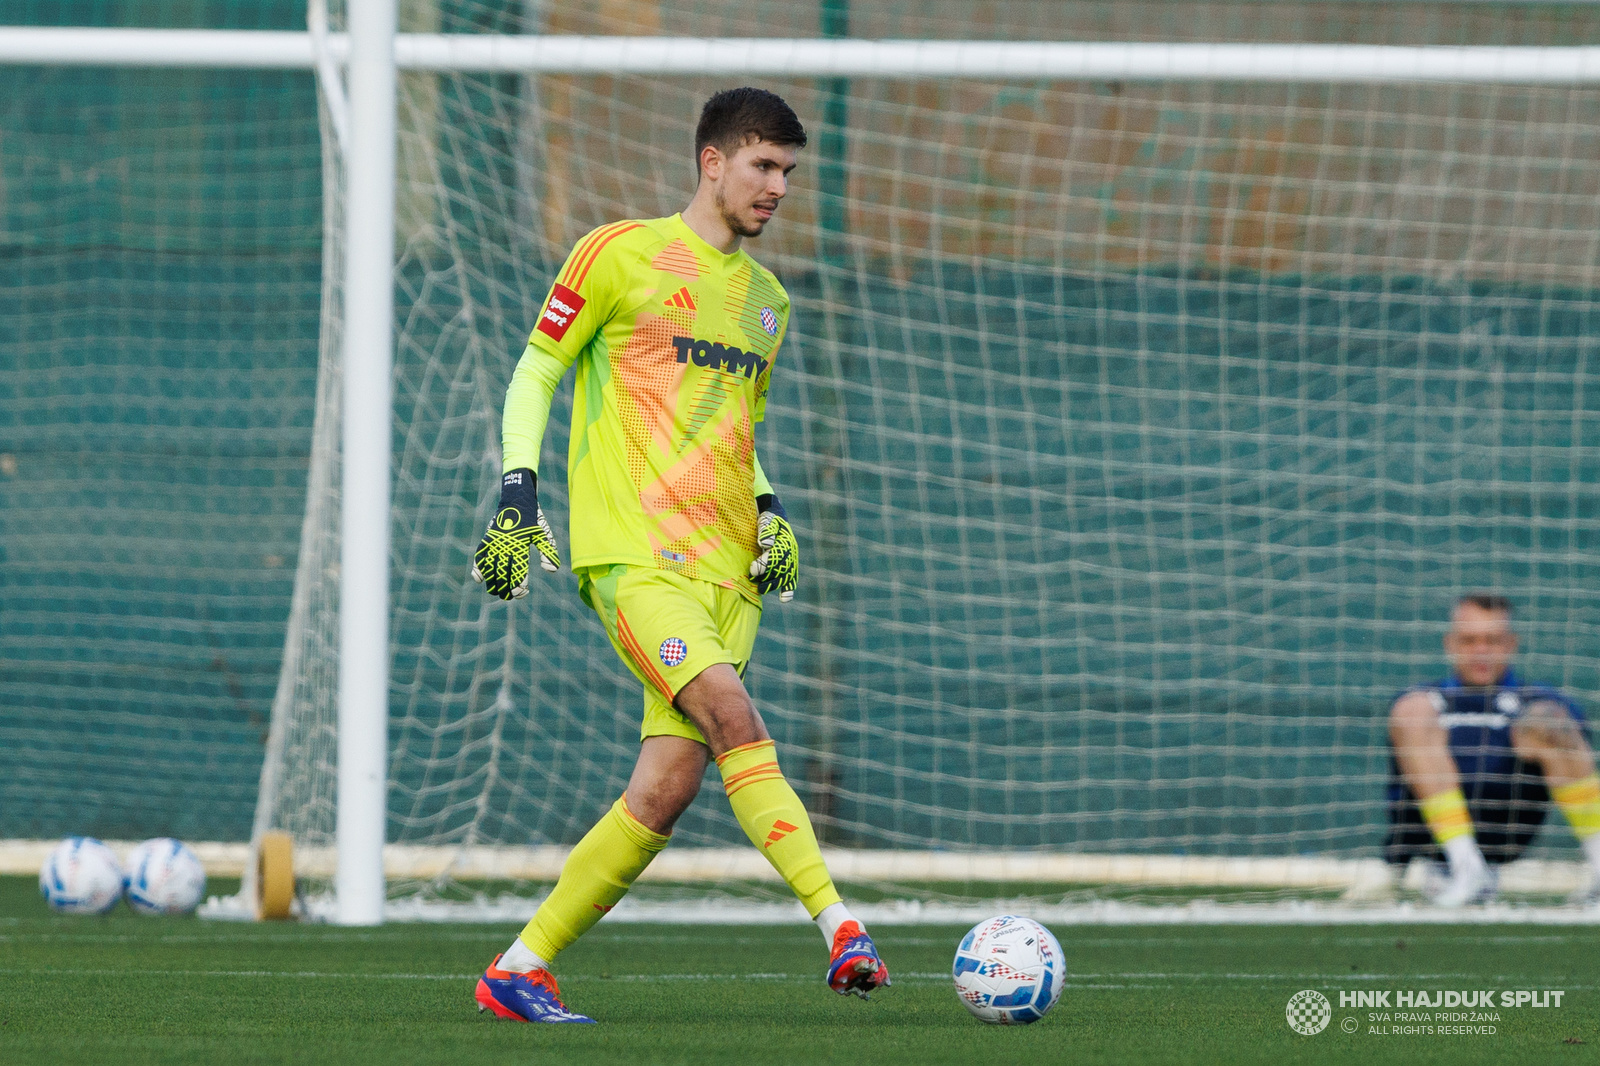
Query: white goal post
{"points": [[364, 112]]}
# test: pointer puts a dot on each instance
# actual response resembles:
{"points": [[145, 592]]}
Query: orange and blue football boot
{"points": [[523, 997], [855, 967]]}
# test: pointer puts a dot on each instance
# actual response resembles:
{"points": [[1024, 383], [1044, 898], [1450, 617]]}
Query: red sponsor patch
{"points": [[559, 311]]}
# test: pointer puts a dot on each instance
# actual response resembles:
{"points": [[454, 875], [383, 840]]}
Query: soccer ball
{"points": [[165, 877], [81, 876], [1009, 970]]}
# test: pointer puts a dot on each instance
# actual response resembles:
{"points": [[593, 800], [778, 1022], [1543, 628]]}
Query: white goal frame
{"points": [[364, 120]]}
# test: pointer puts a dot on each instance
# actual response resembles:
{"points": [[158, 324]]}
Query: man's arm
{"points": [[762, 485], [527, 411], [777, 568], [580, 301], [778, 565], [1546, 733], [1422, 744], [519, 526]]}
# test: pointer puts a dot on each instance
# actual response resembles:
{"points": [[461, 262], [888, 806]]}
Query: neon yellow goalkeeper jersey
{"points": [[674, 342]]}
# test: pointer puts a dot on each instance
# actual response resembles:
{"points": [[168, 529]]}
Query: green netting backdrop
{"points": [[1138, 437]]}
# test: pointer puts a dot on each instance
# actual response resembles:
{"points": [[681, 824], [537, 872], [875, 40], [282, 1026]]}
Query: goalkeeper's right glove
{"points": [[502, 559]]}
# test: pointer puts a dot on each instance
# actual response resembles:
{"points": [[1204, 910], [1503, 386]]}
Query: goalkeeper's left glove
{"points": [[778, 565], [516, 531]]}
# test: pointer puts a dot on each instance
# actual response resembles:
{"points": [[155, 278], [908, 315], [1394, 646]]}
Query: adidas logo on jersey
{"points": [[719, 356], [682, 299]]}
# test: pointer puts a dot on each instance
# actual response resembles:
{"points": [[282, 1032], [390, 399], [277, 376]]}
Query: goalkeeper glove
{"points": [[502, 559], [778, 565]]}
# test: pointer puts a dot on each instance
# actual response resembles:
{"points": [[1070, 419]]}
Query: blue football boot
{"points": [[523, 997], [856, 967]]}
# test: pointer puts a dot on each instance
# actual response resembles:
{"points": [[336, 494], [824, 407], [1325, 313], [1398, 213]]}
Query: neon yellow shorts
{"points": [[667, 629]]}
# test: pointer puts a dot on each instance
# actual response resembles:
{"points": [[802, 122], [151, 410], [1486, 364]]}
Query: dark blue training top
{"points": [[1479, 723]]}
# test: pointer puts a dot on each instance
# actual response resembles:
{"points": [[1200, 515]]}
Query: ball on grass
{"points": [[81, 876]]}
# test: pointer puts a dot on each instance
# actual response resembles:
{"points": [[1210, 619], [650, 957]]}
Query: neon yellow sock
{"points": [[597, 873], [776, 822], [1446, 814], [1580, 802]]}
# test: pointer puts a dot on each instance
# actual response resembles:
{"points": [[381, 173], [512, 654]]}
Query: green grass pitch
{"points": [[130, 990]]}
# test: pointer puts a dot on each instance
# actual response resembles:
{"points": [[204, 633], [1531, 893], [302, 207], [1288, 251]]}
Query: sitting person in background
{"points": [[1478, 757]]}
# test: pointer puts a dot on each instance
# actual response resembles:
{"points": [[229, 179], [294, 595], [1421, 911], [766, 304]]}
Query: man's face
{"points": [[749, 183], [1480, 644]]}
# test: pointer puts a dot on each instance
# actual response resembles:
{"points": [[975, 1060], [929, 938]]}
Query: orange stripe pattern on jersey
{"points": [[676, 258], [581, 264], [673, 352], [581, 256]]}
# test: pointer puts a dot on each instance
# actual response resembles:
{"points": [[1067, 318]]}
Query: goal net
{"points": [[1140, 436], [1138, 433]]}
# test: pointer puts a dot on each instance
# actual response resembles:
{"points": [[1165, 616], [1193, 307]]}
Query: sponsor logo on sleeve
{"points": [[559, 311]]}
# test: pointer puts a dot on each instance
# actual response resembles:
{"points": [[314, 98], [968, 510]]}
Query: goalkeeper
{"points": [[1477, 758], [675, 531]]}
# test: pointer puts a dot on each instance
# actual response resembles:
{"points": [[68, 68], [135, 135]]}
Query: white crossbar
{"points": [[1009, 60]]}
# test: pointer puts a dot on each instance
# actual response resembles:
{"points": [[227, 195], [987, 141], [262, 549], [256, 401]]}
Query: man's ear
{"points": [[711, 160]]}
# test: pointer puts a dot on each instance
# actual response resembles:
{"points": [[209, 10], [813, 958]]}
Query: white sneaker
{"points": [[1473, 886]]}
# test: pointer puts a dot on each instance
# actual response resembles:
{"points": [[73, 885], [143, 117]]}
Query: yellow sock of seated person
{"points": [[597, 874], [1446, 815], [776, 822], [1580, 802]]}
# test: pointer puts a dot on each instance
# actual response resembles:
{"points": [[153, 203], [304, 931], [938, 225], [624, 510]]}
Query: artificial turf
{"points": [[133, 990]]}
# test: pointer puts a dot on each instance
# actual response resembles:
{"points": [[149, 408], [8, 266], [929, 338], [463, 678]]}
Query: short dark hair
{"points": [[736, 117], [1487, 601]]}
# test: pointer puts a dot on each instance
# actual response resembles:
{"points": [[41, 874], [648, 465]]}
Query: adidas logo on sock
{"points": [[780, 829]]}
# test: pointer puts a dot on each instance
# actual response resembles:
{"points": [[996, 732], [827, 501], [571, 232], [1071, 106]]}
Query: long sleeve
{"points": [[763, 487], [533, 387], [580, 303]]}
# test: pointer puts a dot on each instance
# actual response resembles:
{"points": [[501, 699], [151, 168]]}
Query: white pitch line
{"points": [[1430, 934], [287, 937], [1071, 980], [627, 934], [323, 975], [296, 974]]}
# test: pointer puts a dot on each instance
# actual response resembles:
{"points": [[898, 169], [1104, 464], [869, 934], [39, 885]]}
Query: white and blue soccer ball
{"points": [[1008, 970], [165, 877], [81, 876]]}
